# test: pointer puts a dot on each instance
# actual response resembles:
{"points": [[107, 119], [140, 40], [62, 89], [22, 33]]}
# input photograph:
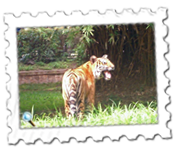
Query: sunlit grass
{"points": [[44, 66], [112, 115]]}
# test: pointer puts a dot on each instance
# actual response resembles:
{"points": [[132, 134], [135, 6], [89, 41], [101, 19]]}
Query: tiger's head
{"points": [[101, 66]]}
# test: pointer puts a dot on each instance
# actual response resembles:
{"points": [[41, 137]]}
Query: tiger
{"points": [[78, 85]]}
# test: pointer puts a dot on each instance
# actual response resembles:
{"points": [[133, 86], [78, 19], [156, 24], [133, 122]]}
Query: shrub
{"points": [[40, 63], [39, 44]]}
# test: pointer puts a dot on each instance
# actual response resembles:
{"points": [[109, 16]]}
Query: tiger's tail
{"points": [[73, 95]]}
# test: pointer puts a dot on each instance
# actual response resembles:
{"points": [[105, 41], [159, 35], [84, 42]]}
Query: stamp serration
{"points": [[169, 73], [123, 140]]}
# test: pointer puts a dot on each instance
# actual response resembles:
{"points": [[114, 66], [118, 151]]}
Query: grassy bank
{"points": [[44, 66], [49, 106], [136, 113]]}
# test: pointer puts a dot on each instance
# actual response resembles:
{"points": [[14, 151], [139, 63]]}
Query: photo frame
{"points": [[40, 14]]}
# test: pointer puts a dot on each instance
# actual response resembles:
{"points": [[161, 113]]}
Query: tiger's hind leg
{"points": [[72, 108], [81, 108], [91, 100], [67, 108]]}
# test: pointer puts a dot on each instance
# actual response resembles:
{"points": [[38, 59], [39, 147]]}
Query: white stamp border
{"points": [[81, 133]]}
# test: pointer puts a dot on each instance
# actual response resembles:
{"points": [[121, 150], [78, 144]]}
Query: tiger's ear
{"points": [[93, 59], [105, 56]]}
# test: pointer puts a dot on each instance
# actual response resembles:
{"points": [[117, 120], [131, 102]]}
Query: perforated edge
{"points": [[106, 141]]}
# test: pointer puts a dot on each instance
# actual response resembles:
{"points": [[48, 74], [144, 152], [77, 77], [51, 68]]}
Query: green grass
{"points": [[41, 87], [44, 97], [111, 115], [43, 101], [48, 102], [44, 66]]}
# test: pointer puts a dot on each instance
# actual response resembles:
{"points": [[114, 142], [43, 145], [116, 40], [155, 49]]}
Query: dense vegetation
{"points": [[130, 47]]}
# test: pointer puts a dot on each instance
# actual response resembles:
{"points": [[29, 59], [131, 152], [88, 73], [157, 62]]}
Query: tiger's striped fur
{"points": [[78, 85]]}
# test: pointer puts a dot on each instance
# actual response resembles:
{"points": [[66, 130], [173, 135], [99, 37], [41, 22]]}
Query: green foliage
{"points": [[43, 44], [87, 32], [32, 111], [130, 47], [110, 26], [151, 25], [39, 44], [64, 56], [58, 64], [80, 50], [84, 34], [40, 63], [22, 67], [44, 66], [113, 37]]}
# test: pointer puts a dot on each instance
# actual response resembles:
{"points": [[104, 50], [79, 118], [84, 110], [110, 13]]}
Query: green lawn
{"points": [[44, 97], [48, 103], [44, 66]]}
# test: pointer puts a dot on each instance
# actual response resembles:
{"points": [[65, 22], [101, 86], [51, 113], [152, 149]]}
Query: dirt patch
{"points": [[127, 90]]}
